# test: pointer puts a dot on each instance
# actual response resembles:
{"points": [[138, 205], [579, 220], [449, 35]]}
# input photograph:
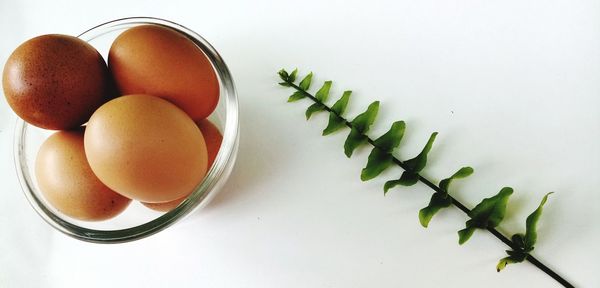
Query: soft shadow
{"points": [[254, 159]]}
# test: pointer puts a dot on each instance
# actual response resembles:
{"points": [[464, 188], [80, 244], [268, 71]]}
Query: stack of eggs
{"points": [[135, 129]]}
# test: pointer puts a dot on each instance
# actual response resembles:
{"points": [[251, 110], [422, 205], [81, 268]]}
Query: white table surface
{"points": [[512, 86]]}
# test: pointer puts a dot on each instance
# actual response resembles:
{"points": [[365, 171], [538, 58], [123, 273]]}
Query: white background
{"points": [[512, 86]]}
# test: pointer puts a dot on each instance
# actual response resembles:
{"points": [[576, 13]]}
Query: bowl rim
{"points": [[215, 177]]}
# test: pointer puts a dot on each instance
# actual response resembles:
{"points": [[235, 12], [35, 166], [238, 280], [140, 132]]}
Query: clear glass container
{"points": [[136, 221]]}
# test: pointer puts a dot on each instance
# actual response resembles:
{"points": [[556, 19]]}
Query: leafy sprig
{"points": [[526, 242], [488, 214], [440, 200]]}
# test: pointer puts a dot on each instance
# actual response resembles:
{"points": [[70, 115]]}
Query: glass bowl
{"points": [[136, 221]]}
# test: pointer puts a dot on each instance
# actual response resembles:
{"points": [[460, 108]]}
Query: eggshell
{"points": [[145, 148], [55, 81], [160, 61], [68, 183], [213, 139]]}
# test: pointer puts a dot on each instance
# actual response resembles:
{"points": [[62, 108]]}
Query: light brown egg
{"points": [[156, 60], [56, 81], [213, 139], [68, 183], [145, 148]]}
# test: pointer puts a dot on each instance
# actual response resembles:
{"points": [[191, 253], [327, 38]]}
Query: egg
{"points": [[55, 81], [68, 183], [213, 139], [156, 60], [145, 148]]}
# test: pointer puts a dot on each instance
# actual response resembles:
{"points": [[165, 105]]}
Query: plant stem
{"points": [[436, 188]]}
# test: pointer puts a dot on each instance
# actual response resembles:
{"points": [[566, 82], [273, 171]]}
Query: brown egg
{"points": [[213, 139], [165, 206], [68, 183], [160, 61], [145, 148], [55, 81]]}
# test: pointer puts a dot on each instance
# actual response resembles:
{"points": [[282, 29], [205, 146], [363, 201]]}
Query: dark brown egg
{"points": [[55, 81]]}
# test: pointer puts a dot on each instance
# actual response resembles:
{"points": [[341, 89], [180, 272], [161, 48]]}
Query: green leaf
{"points": [[406, 179], [363, 121], [389, 185], [335, 123], [524, 243], [465, 234], [518, 241], [490, 212], [292, 76], [283, 75], [487, 214], [354, 139], [462, 173], [437, 202], [391, 139], [339, 107], [514, 257], [531, 225], [305, 83], [296, 96], [360, 126], [284, 84], [441, 200], [418, 163], [505, 261], [323, 93], [516, 254], [379, 160], [314, 108]]}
